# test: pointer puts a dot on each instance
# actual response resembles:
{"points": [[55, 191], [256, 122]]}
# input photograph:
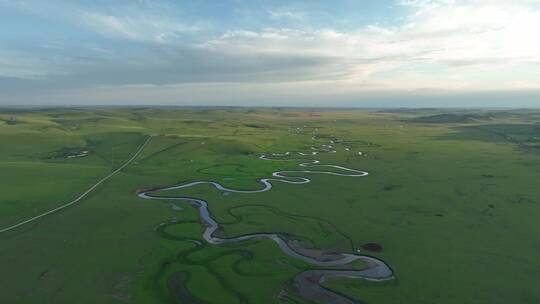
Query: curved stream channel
{"points": [[308, 282]]}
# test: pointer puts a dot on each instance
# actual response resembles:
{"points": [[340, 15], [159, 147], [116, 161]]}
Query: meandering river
{"points": [[309, 281]]}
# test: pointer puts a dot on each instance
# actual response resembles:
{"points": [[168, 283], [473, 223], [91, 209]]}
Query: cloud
{"points": [[444, 37], [157, 29], [445, 45], [143, 21], [278, 15]]}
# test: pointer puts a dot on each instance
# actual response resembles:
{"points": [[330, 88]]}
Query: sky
{"points": [[353, 53]]}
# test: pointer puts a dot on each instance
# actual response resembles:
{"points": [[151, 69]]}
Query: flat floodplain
{"points": [[451, 199]]}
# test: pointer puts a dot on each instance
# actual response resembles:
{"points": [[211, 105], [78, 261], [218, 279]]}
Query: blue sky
{"points": [[301, 53]]}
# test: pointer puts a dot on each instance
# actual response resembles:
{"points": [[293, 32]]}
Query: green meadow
{"points": [[452, 197]]}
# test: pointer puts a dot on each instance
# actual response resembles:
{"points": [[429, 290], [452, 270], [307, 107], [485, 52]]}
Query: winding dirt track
{"points": [[308, 282], [84, 194]]}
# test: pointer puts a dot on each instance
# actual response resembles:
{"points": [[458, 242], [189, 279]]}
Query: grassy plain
{"points": [[452, 197]]}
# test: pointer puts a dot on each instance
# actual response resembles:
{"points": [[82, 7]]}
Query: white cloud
{"points": [[443, 45], [440, 38], [277, 15], [139, 27], [135, 21]]}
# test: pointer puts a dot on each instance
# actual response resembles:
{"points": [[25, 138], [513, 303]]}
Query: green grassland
{"points": [[452, 197]]}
